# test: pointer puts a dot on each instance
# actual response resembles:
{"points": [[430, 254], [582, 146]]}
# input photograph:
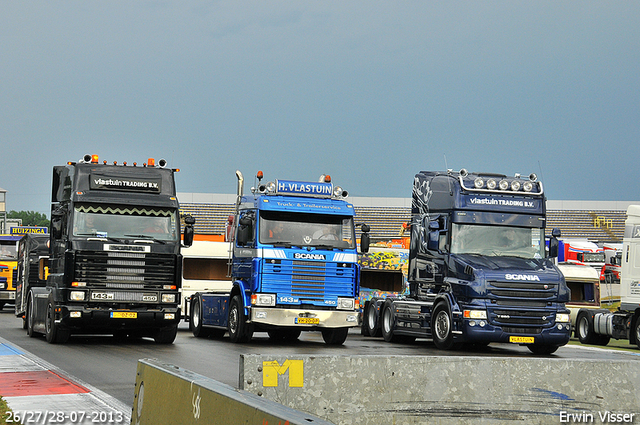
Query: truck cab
{"points": [[114, 253], [478, 268], [294, 265]]}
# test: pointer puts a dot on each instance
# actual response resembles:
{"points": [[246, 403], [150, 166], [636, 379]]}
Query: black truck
{"points": [[114, 257], [478, 268], [33, 248]]}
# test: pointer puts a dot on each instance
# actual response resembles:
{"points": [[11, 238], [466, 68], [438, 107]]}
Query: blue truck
{"points": [[293, 265], [478, 268]]}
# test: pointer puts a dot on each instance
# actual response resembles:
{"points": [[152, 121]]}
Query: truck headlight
{"points": [[76, 296], [265, 300], [168, 298], [562, 317], [346, 303], [474, 314], [2, 285]]}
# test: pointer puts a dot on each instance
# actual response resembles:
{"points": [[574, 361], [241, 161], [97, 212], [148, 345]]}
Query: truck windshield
{"points": [[8, 249], [126, 222], [494, 240], [319, 230]]}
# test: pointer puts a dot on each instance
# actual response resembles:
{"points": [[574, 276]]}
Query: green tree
{"points": [[30, 218]]}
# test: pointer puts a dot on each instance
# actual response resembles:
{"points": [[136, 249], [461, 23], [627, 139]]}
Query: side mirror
{"points": [[553, 243], [365, 239], [57, 219], [188, 230], [244, 235], [434, 236]]}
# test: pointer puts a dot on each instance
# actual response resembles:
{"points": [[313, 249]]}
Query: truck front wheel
{"points": [[166, 335], [542, 349], [53, 332], [335, 336], [442, 328], [637, 331], [239, 329]]}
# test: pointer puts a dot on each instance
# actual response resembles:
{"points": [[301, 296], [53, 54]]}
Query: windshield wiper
{"points": [[147, 237], [325, 246], [92, 235]]}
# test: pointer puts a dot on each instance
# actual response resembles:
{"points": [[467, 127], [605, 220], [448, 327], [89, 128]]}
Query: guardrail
{"points": [[167, 394], [448, 390]]}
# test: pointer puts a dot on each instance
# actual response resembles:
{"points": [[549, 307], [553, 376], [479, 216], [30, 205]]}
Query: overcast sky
{"points": [[369, 92]]}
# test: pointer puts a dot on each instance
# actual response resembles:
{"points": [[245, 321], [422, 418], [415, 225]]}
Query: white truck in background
{"points": [[596, 326], [204, 268], [588, 292]]}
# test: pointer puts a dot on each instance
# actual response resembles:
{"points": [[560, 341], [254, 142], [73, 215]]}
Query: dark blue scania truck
{"points": [[478, 269]]}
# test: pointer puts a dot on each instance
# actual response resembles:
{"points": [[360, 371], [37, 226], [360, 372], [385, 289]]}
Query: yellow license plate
{"points": [[307, 320], [124, 315], [521, 339]]}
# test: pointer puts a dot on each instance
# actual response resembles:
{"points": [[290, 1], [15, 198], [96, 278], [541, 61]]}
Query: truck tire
{"points": [[54, 333], [195, 319], [287, 335], [584, 328], [335, 336], [636, 331], [239, 329], [387, 325], [371, 319], [387, 321], [442, 328], [542, 349], [166, 335], [30, 316]]}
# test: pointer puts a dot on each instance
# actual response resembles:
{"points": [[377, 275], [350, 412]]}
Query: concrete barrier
{"points": [[167, 394], [447, 390]]}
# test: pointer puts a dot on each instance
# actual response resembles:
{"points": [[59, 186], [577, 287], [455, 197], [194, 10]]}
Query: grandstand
{"points": [[598, 221]]}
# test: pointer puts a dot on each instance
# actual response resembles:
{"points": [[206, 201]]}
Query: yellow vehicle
{"points": [[8, 268]]}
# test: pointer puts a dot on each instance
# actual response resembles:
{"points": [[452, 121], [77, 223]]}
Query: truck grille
{"points": [[310, 281], [521, 306], [125, 270]]}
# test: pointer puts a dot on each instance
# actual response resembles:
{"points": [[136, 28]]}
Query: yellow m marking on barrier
{"points": [[271, 370]]}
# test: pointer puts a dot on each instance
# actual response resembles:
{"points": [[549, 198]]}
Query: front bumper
{"points": [[7, 295], [304, 319], [489, 333], [108, 320]]}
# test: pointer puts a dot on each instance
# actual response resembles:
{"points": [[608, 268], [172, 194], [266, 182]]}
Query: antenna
{"points": [[446, 167]]}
